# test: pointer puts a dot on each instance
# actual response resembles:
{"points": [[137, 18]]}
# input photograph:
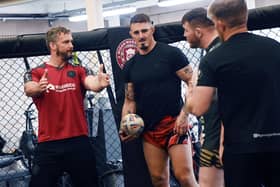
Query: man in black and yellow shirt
{"points": [[200, 32]]}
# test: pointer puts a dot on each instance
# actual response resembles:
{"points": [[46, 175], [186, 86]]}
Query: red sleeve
{"points": [[35, 75], [84, 72], [32, 75]]}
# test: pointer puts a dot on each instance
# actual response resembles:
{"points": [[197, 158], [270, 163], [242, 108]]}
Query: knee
{"points": [[186, 178], [159, 180]]}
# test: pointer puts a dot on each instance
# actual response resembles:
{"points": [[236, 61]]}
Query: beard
{"points": [[64, 55], [143, 47], [194, 43]]}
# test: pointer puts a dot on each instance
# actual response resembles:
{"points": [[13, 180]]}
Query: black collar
{"points": [[214, 44]]}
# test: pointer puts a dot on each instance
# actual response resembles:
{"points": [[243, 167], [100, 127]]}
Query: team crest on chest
{"points": [[125, 50], [71, 74]]}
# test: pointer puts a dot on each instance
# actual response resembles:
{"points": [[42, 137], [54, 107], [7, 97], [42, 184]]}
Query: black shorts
{"points": [[74, 156]]}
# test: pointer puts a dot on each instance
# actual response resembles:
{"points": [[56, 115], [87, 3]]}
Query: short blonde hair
{"points": [[233, 12], [53, 33]]}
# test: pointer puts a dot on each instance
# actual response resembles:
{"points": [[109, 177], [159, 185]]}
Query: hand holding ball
{"points": [[132, 124]]}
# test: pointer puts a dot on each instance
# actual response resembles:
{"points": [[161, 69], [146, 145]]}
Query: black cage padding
{"points": [[91, 40], [169, 32], [264, 18], [34, 44]]}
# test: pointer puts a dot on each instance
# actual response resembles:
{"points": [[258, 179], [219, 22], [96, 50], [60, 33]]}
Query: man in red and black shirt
{"points": [[58, 89]]}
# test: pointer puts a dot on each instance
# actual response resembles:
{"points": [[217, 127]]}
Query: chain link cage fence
{"points": [[102, 129]]}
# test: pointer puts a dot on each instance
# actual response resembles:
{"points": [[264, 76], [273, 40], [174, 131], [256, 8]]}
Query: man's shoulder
{"points": [[166, 46], [128, 63], [75, 66], [268, 40], [132, 59], [168, 50], [40, 66], [215, 52], [213, 45]]}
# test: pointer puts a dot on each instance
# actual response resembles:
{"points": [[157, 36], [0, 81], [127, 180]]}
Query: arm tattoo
{"points": [[129, 94], [27, 76], [188, 75], [185, 108], [188, 70]]}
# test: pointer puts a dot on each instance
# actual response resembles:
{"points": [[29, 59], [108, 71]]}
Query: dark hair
{"points": [[53, 33], [197, 16], [140, 18], [233, 12]]}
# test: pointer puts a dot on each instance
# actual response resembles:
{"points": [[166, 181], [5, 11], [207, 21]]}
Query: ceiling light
{"points": [[174, 2], [78, 18], [107, 13], [119, 11]]}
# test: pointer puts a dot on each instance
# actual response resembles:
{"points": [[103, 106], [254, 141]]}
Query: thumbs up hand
{"points": [[43, 83]]}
